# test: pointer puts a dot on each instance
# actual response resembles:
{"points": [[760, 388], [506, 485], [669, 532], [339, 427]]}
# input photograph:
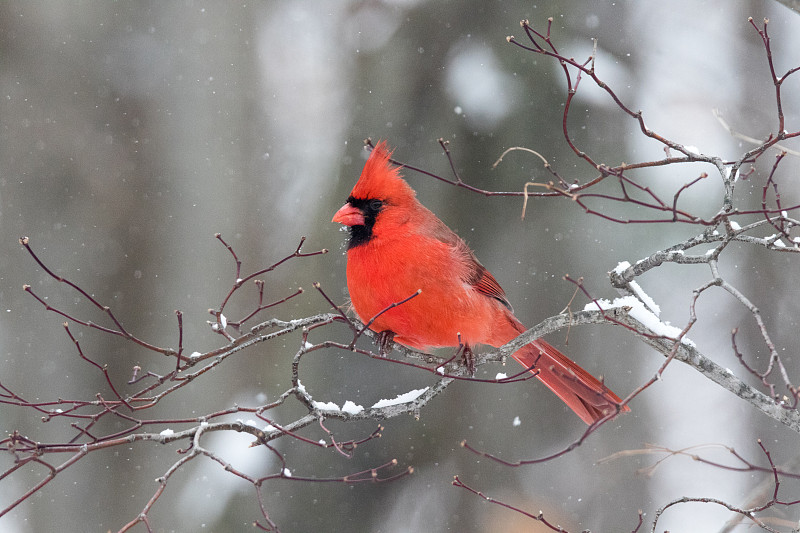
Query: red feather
{"points": [[399, 247]]}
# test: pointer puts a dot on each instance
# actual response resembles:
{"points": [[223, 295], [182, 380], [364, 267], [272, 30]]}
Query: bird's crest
{"points": [[380, 179]]}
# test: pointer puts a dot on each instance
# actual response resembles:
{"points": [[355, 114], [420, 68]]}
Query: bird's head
{"points": [[381, 196]]}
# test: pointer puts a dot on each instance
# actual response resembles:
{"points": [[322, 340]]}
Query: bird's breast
{"points": [[448, 309]]}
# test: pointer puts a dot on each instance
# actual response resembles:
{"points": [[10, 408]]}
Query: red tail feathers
{"points": [[582, 392]]}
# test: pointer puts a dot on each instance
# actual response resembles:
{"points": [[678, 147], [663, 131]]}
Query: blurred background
{"points": [[132, 132]]}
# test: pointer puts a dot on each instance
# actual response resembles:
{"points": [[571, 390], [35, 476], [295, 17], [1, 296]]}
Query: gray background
{"points": [[131, 132]]}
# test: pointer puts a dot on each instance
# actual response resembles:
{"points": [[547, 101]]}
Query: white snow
{"points": [[351, 408], [500, 376], [167, 433], [517, 422], [621, 267], [325, 406], [642, 314], [407, 397], [643, 296]]}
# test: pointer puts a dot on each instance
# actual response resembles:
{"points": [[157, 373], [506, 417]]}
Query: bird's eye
{"points": [[375, 205]]}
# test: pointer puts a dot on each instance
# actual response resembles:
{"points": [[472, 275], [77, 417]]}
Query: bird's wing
{"points": [[473, 273]]}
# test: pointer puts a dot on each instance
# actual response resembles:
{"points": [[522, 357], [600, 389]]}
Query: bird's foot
{"points": [[385, 342], [468, 358]]}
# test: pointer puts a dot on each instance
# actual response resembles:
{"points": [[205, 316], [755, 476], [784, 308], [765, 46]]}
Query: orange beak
{"points": [[349, 216]]}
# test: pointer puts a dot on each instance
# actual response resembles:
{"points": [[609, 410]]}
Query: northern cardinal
{"points": [[398, 247]]}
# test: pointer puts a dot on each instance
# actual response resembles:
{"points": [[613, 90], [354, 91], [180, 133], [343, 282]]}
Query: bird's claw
{"points": [[385, 342], [468, 358]]}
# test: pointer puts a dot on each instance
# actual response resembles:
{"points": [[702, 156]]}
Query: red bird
{"points": [[398, 247]]}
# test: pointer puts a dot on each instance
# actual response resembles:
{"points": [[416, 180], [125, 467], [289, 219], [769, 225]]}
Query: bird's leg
{"points": [[468, 357], [385, 341]]}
